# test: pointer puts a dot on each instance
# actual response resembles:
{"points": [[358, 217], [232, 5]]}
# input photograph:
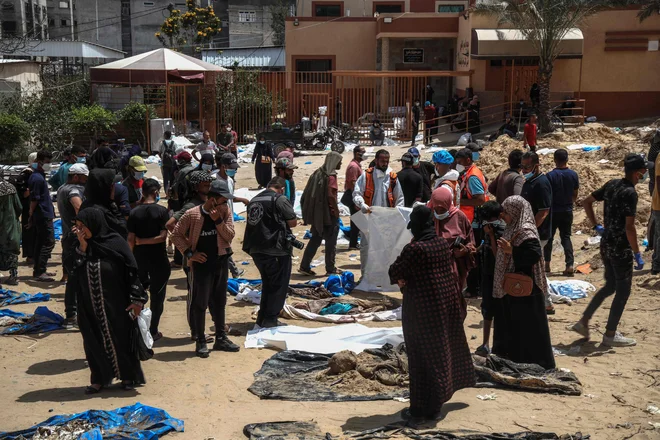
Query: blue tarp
{"points": [[11, 297], [136, 422], [336, 309], [57, 225], [338, 285], [238, 218], [234, 283], [42, 321]]}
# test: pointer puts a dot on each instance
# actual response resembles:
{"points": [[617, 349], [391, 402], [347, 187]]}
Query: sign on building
{"points": [[413, 56]]}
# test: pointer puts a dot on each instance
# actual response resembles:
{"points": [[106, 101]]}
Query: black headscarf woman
{"points": [[98, 194], [421, 224], [206, 163]]}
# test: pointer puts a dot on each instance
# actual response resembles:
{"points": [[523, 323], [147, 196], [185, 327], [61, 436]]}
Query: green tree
{"points": [[189, 30], [649, 8], [279, 12], [14, 132], [135, 116], [544, 23], [92, 119]]}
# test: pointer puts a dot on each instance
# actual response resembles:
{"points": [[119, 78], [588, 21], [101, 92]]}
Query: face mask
{"points": [[228, 129], [529, 175], [81, 159], [262, 142], [460, 168], [441, 216], [207, 167], [231, 173], [475, 156], [158, 198], [138, 175], [34, 166], [644, 177], [45, 167]]}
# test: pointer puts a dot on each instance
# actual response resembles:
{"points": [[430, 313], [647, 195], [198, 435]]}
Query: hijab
{"points": [[6, 188], [421, 224], [315, 209], [450, 227], [521, 228], [206, 158], [443, 198], [105, 243], [97, 195]]}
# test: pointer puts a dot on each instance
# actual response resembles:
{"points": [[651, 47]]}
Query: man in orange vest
{"points": [[377, 186], [473, 194]]}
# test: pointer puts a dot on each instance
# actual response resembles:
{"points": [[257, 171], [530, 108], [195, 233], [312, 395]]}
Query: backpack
{"points": [[167, 158]]}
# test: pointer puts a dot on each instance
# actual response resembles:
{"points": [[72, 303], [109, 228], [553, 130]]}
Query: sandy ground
{"points": [[45, 375]]}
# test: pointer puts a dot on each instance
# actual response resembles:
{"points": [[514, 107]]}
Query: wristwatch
{"points": [[188, 253]]}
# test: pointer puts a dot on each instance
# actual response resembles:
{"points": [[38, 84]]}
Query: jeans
{"points": [[564, 222], [415, 130], [329, 234], [618, 281], [275, 275], [233, 269], [168, 178], [509, 133], [656, 241], [428, 133], [44, 242], [208, 288], [154, 273]]}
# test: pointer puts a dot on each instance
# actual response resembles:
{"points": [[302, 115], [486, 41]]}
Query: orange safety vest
{"points": [[369, 188], [465, 189], [453, 184]]}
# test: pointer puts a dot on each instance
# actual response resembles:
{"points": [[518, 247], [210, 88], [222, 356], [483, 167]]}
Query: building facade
{"points": [[612, 61], [24, 18]]}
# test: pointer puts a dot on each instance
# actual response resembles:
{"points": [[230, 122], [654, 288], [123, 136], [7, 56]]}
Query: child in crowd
{"points": [[493, 228]]}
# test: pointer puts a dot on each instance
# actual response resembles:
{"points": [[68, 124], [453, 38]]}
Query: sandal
{"points": [[93, 390]]}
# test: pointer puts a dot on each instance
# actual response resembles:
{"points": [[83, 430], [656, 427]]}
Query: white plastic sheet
{"points": [[386, 233], [324, 340], [144, 321]]}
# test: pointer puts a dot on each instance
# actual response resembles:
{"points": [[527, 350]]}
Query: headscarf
{"points": [[315, 208], [32, 158], [104, 242], [6, 188], [206, 157], [102, 156], [443, 198], [447, 228], [97, 195], [421, 224], [521, 229]]}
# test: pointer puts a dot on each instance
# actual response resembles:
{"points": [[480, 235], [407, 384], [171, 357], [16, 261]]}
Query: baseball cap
{"points": [[414, 151], [183, 155], [474, 147], [220, 187], [137, 163], [634, 162], [407, 158], [79, 168], [198, 176], [285, 163], [229, 160], [443, 157]]}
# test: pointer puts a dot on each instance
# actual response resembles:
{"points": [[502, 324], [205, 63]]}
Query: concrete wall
{"points": [[250, 34], [144, 24], [353, 43], [109, 30], [27, 74]]}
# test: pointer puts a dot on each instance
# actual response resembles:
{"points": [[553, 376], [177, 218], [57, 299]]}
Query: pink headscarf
{"points": [[443, 198]]}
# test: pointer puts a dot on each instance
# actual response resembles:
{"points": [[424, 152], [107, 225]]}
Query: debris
{"points": [[652, 409], [584, 269], [402, 399], [487, 397]]}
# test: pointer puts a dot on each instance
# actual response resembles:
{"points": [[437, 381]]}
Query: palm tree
{"points": [[649, 8], [544, 23]]}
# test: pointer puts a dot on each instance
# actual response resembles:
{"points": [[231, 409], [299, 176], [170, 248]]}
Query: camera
{"points": [[294, 241], [460, 241]]}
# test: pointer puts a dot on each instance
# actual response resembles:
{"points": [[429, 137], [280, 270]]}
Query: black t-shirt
{"points": [[411, 185], [147, 221], [538, 192], [426, 170], [620, 200], [208, 238]]}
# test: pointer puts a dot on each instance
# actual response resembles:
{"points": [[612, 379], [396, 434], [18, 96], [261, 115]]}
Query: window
{"points": [[64, 22], [451, 8], [51, 22], [64, 5], [8, 28], [387, 9], [7, 6], [247, 16], [312, 71], [148, 4], [327, 9]]}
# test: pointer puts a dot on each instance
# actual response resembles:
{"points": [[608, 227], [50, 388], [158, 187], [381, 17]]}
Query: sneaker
{"points": [[44, 278], [580, 328], [201, 350], [308, 272], [70, 323], [238, 273], [618, 340], [222, 343], [569, 271]]}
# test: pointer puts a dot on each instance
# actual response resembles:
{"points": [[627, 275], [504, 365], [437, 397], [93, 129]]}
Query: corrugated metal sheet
{"points": [[68, 49], [246, 57]]}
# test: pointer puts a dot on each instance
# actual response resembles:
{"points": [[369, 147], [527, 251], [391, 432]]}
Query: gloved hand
{"points": [[639, 261], [600, 230], [365, 208]]}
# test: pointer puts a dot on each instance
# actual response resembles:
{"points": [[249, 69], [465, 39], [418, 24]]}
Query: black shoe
{"points": [[222, 343], [12, 281], [201, 350]]}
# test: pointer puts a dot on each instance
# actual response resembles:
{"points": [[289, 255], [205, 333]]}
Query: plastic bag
{"points": [[144, 322], [464, 140]]}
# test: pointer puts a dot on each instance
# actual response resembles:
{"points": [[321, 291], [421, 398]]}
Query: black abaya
{"points": [[263, 158]]}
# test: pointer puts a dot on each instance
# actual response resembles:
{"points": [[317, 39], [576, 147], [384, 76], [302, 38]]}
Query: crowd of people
{"points": [[471, 238]]}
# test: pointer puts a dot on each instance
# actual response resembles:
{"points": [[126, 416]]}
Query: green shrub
{"points": [[13, 134]]}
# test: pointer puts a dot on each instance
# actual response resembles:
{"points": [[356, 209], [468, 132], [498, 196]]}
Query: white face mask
{"points": [[441, 216], [460, 168], [138, 175], [207, 167], [45, 167]]}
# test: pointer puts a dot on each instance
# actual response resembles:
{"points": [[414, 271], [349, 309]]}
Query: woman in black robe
{"points": [[522, 333], [263, 158], [99, 193], [439, 360], [109, 295]]}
